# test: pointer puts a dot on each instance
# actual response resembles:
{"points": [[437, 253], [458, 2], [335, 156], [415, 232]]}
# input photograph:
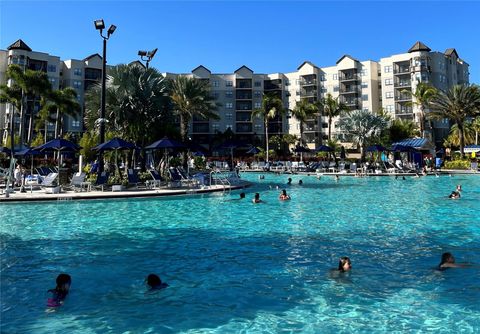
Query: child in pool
{"points": [[60, 292], [154, 282]]}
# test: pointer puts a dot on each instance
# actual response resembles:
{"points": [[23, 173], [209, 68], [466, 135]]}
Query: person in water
{"points": [[283, 196], [344, 264], [454, 195], [300, 182], [459, 188], [60, 292], [289, 181], [257, 199], [154, 282], [448, 261]]}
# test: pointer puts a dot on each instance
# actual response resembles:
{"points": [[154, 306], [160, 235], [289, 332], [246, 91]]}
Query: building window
{"points": [[322, 78], [257, 127], [215, 127], [229, 105], [214, 83], [229, 126], [77, 84], [228, 115], [258, 84], [388, 82], [229, 83], [364, 84], [52, 80], [389, 95], [52, 68], [228, 93], [363, 73], [389, 108], [387, 69], [215, 95], [365, 97], [258, 105], [77, 71], [335, 76], [287, 82], [257, 93]]}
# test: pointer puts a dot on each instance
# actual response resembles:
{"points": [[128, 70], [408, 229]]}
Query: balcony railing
{"points": [[420, 68], [308, 93], [403, 83], [401, 70], [350, 90], [243, 117], [403, 97], [308, 82], [243, 127], [404, 111], [348, 77], [243, 95]]}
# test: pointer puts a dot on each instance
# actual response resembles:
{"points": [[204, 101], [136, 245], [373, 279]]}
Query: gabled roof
{"points": [[137, 63], [199, 67], [19, 45], [307, 62], [419, 46], [449, 52], [346, 56], [418, 143], [92, 56], [243, 66]]}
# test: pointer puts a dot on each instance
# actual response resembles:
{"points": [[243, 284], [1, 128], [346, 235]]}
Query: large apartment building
{"points": [[361, 85], [79, 74]]}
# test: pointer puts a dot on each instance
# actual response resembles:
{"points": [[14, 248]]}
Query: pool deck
{"points": [[40, 195]]}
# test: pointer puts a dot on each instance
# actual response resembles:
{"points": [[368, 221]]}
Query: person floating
{"points": [[257, 199], [154, 282], [448, 261], [344, 264], [283, 196], [60, 292]]}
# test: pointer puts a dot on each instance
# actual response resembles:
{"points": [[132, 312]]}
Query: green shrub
{"points": [[457, 164]]}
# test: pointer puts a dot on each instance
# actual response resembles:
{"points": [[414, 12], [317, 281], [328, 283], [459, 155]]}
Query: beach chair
{"points": [[157, 181], [101, 182], [49, 183], [76, 183], [133, 179], [42, 171]]}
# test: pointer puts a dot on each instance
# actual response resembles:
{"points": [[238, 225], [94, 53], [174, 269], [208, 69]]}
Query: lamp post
{"points": [[147, 56], [100, 25]]}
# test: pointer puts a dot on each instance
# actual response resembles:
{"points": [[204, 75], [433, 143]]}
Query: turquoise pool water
{"points": [[236, 267]]}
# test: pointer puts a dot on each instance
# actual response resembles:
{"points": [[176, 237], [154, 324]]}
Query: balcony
{"points": [[420, 68], [244, 106], [308, 93], [404, 111], [243, 128], [403, 97], [243, 95], [402, 70], [348, 77], [243, 84], [243, 117], [403, 83], [201, 128], [308, 82], [350, 89]]}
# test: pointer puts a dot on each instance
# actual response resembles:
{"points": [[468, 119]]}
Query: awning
{"points": [[417, 143]]}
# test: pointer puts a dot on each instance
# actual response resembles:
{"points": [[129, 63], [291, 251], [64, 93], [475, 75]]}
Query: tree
{"points": [[32, 83], [302, 111], [402, 129], [362, 125], [331, 108], [61, 102], [272, 106], [424, 93], [476, 128], [457, 104], [468, 133], [13, 96]]}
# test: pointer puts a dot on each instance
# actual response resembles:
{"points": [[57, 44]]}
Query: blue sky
{"points": [[267, 36]]}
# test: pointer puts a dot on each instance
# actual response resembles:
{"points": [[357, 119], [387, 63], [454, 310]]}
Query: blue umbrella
{"points": [[324, 148], [376, 148], [115, 144], [165, 143], [58, 144], [28, 151], [253, 150], [301, 149]]}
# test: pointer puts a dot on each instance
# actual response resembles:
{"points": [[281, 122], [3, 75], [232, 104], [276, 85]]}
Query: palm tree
{"points": [[272, 106], [476, 128], [32, 83], [62, 102], [457, 104], [13, 96], [402, 129], [331, 108], [191, 97], [468, 134], [304, 110], [362, 125], [424, 93]]}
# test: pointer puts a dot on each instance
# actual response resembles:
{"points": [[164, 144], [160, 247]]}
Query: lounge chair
{"points": [[157, 181], [43, 171], [101, 182], [76, 183], [133, 178], [49, 183]]}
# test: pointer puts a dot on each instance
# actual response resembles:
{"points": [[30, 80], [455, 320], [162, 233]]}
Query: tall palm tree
{"points": [[191, 97], [422, 96], [63, 102], [302, 111], [33, 84], [331, 107], [468, 134], [457, 104], [13, 96], [402, 129], [272, 106], [362, 125], [476, 128]]}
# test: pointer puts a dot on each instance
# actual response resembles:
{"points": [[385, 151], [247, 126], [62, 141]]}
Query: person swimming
{"points": [[448, 261], [283, 196], [289, 181], [300, 182], [344, 264], [257, 199], [454, 195], [60, 292], [154, 282], [242, 195]]}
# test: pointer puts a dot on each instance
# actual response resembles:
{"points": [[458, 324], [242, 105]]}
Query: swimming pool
{"points": [[236, 267]]}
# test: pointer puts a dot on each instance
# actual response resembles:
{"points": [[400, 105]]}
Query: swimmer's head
{"points": [[284, 192], [242, 195], [344, 264], [153, 280], [257, 196], [63, 282], [447, 258]]}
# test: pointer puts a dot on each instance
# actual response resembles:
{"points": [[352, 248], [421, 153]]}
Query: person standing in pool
{"points": [[283, 196], [154, 282], [289, 181], [257, 199], [344, 264], [448, 261], [60, 292]]}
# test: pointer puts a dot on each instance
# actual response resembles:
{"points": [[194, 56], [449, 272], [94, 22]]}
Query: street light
{"points": [[100, 25], [147, 55]]}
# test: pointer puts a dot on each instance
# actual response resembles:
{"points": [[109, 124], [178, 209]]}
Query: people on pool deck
{"points": [[289, 181], [300, 182], [283, 196], [60, 292], [454, 195], [344, 264], [154, 282], [257, 199], [448, 261]]}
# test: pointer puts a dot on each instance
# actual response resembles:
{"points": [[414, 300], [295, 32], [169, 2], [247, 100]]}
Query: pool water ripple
{"points": [[236, 267]]}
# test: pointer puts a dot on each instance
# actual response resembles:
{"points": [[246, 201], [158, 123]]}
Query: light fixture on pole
{"points": [[147, 56], [100, 25]]}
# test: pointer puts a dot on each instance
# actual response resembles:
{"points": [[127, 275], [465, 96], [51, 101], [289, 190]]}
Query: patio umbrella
{"points": [[376, 148], [165, 143], [301, 150], [324, 148], [58, 145], [232, 144], [28, 151], [253, 150], [115, 144]]}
